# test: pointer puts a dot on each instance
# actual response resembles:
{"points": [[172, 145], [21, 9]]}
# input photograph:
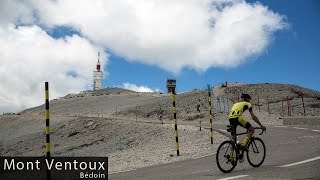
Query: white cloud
{"points": [[16, 11], [137, 88], [171, 34], [29, 57]]}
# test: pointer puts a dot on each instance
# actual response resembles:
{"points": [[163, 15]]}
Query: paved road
{"points": [[285, 145]]}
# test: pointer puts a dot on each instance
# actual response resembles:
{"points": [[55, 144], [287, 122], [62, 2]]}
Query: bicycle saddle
{"points": [[230, 127]]}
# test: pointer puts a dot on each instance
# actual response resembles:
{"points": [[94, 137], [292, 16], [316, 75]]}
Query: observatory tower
{"points": [[97, 76], [171, 86]]}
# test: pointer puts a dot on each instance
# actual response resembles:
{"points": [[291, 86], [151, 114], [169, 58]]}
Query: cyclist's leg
{"points": [[233, 122], [250, 129]]}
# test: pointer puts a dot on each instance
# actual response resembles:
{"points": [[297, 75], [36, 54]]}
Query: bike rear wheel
{"points": [[226, 157], [256, 152]]}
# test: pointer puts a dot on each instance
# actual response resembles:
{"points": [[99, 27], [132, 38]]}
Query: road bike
{"points": [[230, 152]]}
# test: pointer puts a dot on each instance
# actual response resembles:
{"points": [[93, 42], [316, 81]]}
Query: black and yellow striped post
{"points": [[47, 127], [304, 109], [282, 107], [198, 109], [136, 114], [47, 120], [160, 114], [173, 97], [258, 103], [210, 112], [268, 104], [116, 111]]}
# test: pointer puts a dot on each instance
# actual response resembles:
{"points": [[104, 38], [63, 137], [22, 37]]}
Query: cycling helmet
{"points": [[245, 96]]}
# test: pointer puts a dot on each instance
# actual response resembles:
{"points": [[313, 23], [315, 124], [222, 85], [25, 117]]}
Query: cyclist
{"points": [[236, 118]]}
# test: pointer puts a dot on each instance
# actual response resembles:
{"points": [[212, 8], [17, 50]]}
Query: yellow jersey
{"points": [[238, 109]]}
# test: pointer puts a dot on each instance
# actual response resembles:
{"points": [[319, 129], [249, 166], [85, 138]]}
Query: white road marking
{"points": [[204, 156], [300, 128], [301, 162], [280, 126], [289, 142], [200, 171], [234, 177], [223, 130], [122, 171], [305, 137], [315, 130]]}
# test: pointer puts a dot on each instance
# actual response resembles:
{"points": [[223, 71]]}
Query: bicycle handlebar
{"points": [[262, 131]]}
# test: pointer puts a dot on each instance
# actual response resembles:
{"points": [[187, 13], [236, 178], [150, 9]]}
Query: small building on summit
{"points": [[171, 86]]}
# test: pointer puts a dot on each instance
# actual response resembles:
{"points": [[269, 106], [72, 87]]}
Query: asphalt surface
{"points": [[285, 145]]}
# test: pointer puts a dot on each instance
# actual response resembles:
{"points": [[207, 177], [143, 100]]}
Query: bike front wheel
{"points": [[226, 157], [256, 152]]}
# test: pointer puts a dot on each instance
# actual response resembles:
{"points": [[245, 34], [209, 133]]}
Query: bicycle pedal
{"points": [[241, 160], [234, 163], [240, 156]]}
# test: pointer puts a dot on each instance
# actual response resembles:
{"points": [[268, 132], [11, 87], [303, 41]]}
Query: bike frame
{"points": [[233, 129]]}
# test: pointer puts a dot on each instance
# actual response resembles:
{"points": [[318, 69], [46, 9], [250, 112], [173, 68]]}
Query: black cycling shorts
{"points": [[240, 121]]}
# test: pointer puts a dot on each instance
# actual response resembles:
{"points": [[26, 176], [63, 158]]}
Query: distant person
{"points": [[225, 84], [236, 118]]}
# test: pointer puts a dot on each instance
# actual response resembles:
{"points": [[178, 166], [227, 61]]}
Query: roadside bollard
{"points": [[47, 119], [210, 112], [304, 110], [175, 120], [48, 156]]}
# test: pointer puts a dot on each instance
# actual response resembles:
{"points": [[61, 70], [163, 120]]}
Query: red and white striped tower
{"points": [[97, 76], [98, 63]]}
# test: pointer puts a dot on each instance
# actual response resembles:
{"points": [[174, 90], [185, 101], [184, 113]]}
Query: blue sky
{"points": [[142, 43], [292, 57]]}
